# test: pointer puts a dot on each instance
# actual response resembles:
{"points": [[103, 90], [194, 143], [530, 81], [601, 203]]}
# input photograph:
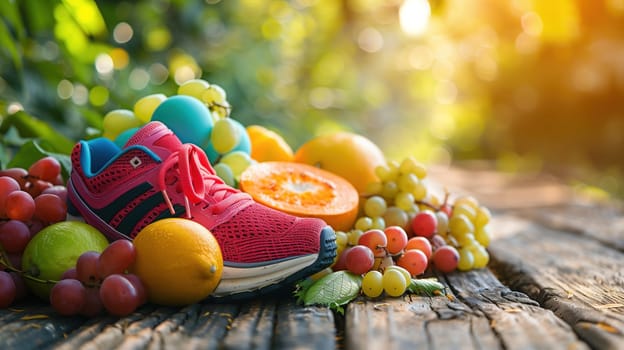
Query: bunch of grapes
{"points": [[223, 138], [450, 235], [389, 260], [30, 199], [100, 281]]}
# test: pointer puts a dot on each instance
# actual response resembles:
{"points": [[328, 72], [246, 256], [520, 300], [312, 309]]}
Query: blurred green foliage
{"points": [[533, 85]]}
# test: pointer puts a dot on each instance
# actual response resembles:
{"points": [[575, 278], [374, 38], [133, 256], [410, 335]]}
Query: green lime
{"points": [[55, 249]]}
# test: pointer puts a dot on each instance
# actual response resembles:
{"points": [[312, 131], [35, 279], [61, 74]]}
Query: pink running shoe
{"points": [[155, 176]]}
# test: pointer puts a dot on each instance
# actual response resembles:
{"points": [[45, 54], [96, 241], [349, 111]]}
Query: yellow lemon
{"points": [[267, 145], [178, 260], [352, 156]]}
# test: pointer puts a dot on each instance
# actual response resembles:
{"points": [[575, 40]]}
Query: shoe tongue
{"points": [[156, 137]]}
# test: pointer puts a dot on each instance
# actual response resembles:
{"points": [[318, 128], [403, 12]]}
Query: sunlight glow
{"points": [[414, 16]]}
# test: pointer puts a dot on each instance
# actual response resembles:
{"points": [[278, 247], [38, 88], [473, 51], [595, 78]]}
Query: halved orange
{"points": [[303, 190]]}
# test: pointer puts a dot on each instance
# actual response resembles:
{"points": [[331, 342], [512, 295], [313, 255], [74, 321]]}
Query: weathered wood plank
{"points": [[518, 321], [602, 222], [479, 313], [34, 326], [301, 327], [578, 278]]}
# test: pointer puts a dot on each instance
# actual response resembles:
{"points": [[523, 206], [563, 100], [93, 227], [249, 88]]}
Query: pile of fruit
{"points": [[391, 226]]}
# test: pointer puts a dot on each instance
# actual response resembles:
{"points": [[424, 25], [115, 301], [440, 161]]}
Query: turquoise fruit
{"points": [[187, 117]]}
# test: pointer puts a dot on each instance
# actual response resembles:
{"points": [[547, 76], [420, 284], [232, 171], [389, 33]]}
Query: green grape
{"points": [[483, 216], [213, 95], [225, 135], [393, 282], [481, 256], [407, 182], [375, 206], [466, 259], [383, 172], [238, 161], [406, 274], [342, 239], [117, 121], [378, 223], [466, 209], [404, 200], [465, 239], [394, 170], [408, 165], [221, 110], [420, 191], [145, 106], [194, 88], [389, 190], [372, 285], [443, 222], [469, 200], [395, 216], [225, 173], [420, 171], [460, 225], [363, 223], [354, 236], [483, 236]]}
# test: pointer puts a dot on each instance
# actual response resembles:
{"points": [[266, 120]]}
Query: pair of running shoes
{"points": [[154, 176]]}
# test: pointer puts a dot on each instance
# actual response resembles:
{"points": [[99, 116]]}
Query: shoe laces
{"points": [[197, 181]]}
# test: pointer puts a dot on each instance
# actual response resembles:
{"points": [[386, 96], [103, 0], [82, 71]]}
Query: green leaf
{"points": [[32, 151], [426, 286], [31, 127], [333, 290]]}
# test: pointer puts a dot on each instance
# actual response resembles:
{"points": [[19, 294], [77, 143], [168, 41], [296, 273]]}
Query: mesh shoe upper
{"points": [[154, 176]]}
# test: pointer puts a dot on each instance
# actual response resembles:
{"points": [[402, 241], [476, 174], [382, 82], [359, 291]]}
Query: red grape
{"points": [[397, 239], [58, 190], [46, 168], [86, 268], [118, 295], [413, 261], [21, 290], [116, 258], [36, 187], [70, 273], [93, 304], [68, 297], [8, 290], [424, 224], [420, 243], [35, 226], [50, 208], [14, 236], [18, 174], [445, 258], [360, 259], [7, 185], [19, 205], [341, 263], [376, 240], [138, 285]]}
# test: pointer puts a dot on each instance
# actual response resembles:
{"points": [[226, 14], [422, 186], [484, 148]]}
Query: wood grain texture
{"points": [[580, 279]]}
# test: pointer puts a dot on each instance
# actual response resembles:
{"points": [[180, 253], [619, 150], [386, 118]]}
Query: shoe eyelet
{"points": [[135, 162]]}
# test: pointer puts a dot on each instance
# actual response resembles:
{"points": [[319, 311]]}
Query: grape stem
{"points": [[425, 203], [4, 260]]}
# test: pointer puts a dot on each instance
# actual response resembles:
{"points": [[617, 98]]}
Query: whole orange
{"points": [[267, 145], [349, 155], [178, 260]]}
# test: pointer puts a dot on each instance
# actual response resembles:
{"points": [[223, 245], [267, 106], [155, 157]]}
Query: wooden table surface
{"points": [[555, 281]]}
